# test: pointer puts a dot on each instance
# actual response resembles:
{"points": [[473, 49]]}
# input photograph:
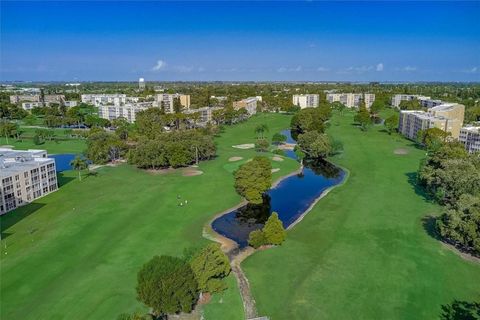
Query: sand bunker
{"points": [[276, 158], [275, 170], [245, 146], [400, 151], [233, 159], [191, 172]]}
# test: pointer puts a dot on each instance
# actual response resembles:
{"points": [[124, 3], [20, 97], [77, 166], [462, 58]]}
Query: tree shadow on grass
{"points": [[63, 179], [429, 224], [419, 190], [461, 310], [13, 217]]}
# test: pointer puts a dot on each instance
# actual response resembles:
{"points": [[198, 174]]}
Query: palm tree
{"points": [[79, 164], [261, 129]]}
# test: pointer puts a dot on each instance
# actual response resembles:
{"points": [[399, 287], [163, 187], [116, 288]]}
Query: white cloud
{"points": [[472, 70], [322, 69], [201, 69], [295, 69], [379, 67], [159, 66]]}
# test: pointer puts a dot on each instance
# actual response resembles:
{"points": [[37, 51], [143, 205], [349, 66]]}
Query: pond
{"points": [[290, 199], [62, 161]]}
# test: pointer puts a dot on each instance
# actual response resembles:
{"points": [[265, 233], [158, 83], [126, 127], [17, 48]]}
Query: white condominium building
{"points": [[24, 177], [470, 137], [128, 111], [352, 100], [165, 101], [98, 100], [306, 100], [398, 98], [428, 103]]}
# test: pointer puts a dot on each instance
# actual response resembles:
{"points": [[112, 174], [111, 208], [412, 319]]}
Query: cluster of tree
{"points": [[391, 123], [169, 285], [432, 138], [410, 105], [253, 178], [103, 147], [175, 149], [363, 118], [9, 130], [308, 125], [461, 310], [229, 115], [310, 119], [272, 233], [11, 111], [452, 177]]}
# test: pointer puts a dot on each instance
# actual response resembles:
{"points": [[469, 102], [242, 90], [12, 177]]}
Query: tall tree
{"points": [[79, 164], [253, 178], [167, 285], [210, 265]]}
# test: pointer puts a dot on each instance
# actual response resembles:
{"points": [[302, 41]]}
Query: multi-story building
{"points": [[128, 111], [398, 98], [165, 101], [70, 103], [53, 98], [205, 114], [31, 105], [446, 117], [470, 137], [25, 97], [351, 100], [428, 103], [24, 177], [141, 84], [249, 104], [306, 100], [116, 99]]}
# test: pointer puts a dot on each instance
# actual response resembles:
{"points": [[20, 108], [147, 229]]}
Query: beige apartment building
{"points": [[447, 117], [352, 100], [24, 177], [470, 137], [25, 98], [99, 99], [250, 104], [165, 101], [205, 113]]}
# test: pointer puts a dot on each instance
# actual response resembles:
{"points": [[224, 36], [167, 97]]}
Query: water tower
{"points": [[141, 84]]}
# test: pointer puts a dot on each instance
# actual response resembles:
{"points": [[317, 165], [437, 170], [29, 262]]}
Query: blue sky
{"points": [[289, 41]]}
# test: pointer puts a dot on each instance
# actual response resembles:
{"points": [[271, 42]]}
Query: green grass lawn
{"points": [[74, 254], [362, 252], [64, 144]]}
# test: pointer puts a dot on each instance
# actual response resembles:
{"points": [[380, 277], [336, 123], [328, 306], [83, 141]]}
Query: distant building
{"points": [[24, 177], [30, 105], [428, 103], [352, 100], [470, 137], [141, 84], [165, 101], [127, 111], [70, 103], [250, 104], [219, 98], [398, 98], [25, 98], [306, 100], [446, 117], [205, 114], [53, 98], [97, 100]]}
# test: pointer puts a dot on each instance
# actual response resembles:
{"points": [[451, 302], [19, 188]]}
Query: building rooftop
{"points": [[13, 161]]}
